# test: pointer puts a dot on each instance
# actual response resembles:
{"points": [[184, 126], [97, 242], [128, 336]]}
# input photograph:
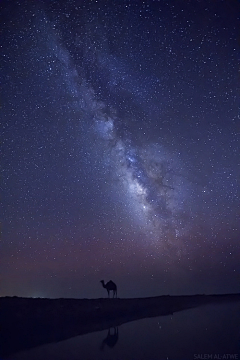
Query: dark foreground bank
{"points": [[27, 322]]}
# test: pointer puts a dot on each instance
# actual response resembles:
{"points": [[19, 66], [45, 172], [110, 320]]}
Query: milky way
{"points": [[121, 146]]}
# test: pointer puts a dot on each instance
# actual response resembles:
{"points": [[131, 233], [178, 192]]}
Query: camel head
{"points": [[102, 281]]}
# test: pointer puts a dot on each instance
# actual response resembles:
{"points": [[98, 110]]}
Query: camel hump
{"points": [[112, 285]]}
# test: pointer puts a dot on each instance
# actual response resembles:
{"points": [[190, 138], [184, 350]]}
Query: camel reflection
{"points": [[111, 339]]}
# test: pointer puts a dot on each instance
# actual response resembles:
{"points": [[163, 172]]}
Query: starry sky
{"points": [[120, 147]]}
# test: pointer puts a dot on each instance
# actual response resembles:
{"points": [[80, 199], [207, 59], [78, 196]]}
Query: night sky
{"points": [[120, 147]]}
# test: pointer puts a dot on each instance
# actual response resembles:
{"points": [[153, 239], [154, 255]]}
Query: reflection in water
{"points": [[212, 329], [111, 339]]}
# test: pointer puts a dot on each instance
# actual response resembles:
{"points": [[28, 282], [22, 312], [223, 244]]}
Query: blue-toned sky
{"points": [[121, 156]]}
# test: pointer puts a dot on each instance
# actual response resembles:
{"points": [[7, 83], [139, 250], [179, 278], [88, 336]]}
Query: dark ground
{"points": [[28, 322]]}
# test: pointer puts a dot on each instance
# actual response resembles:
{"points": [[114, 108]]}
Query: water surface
{"points": [[206, 332]]}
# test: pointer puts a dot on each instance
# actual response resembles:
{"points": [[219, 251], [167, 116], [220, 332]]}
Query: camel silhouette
{"points": [[110, 286], [111, 339]]}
